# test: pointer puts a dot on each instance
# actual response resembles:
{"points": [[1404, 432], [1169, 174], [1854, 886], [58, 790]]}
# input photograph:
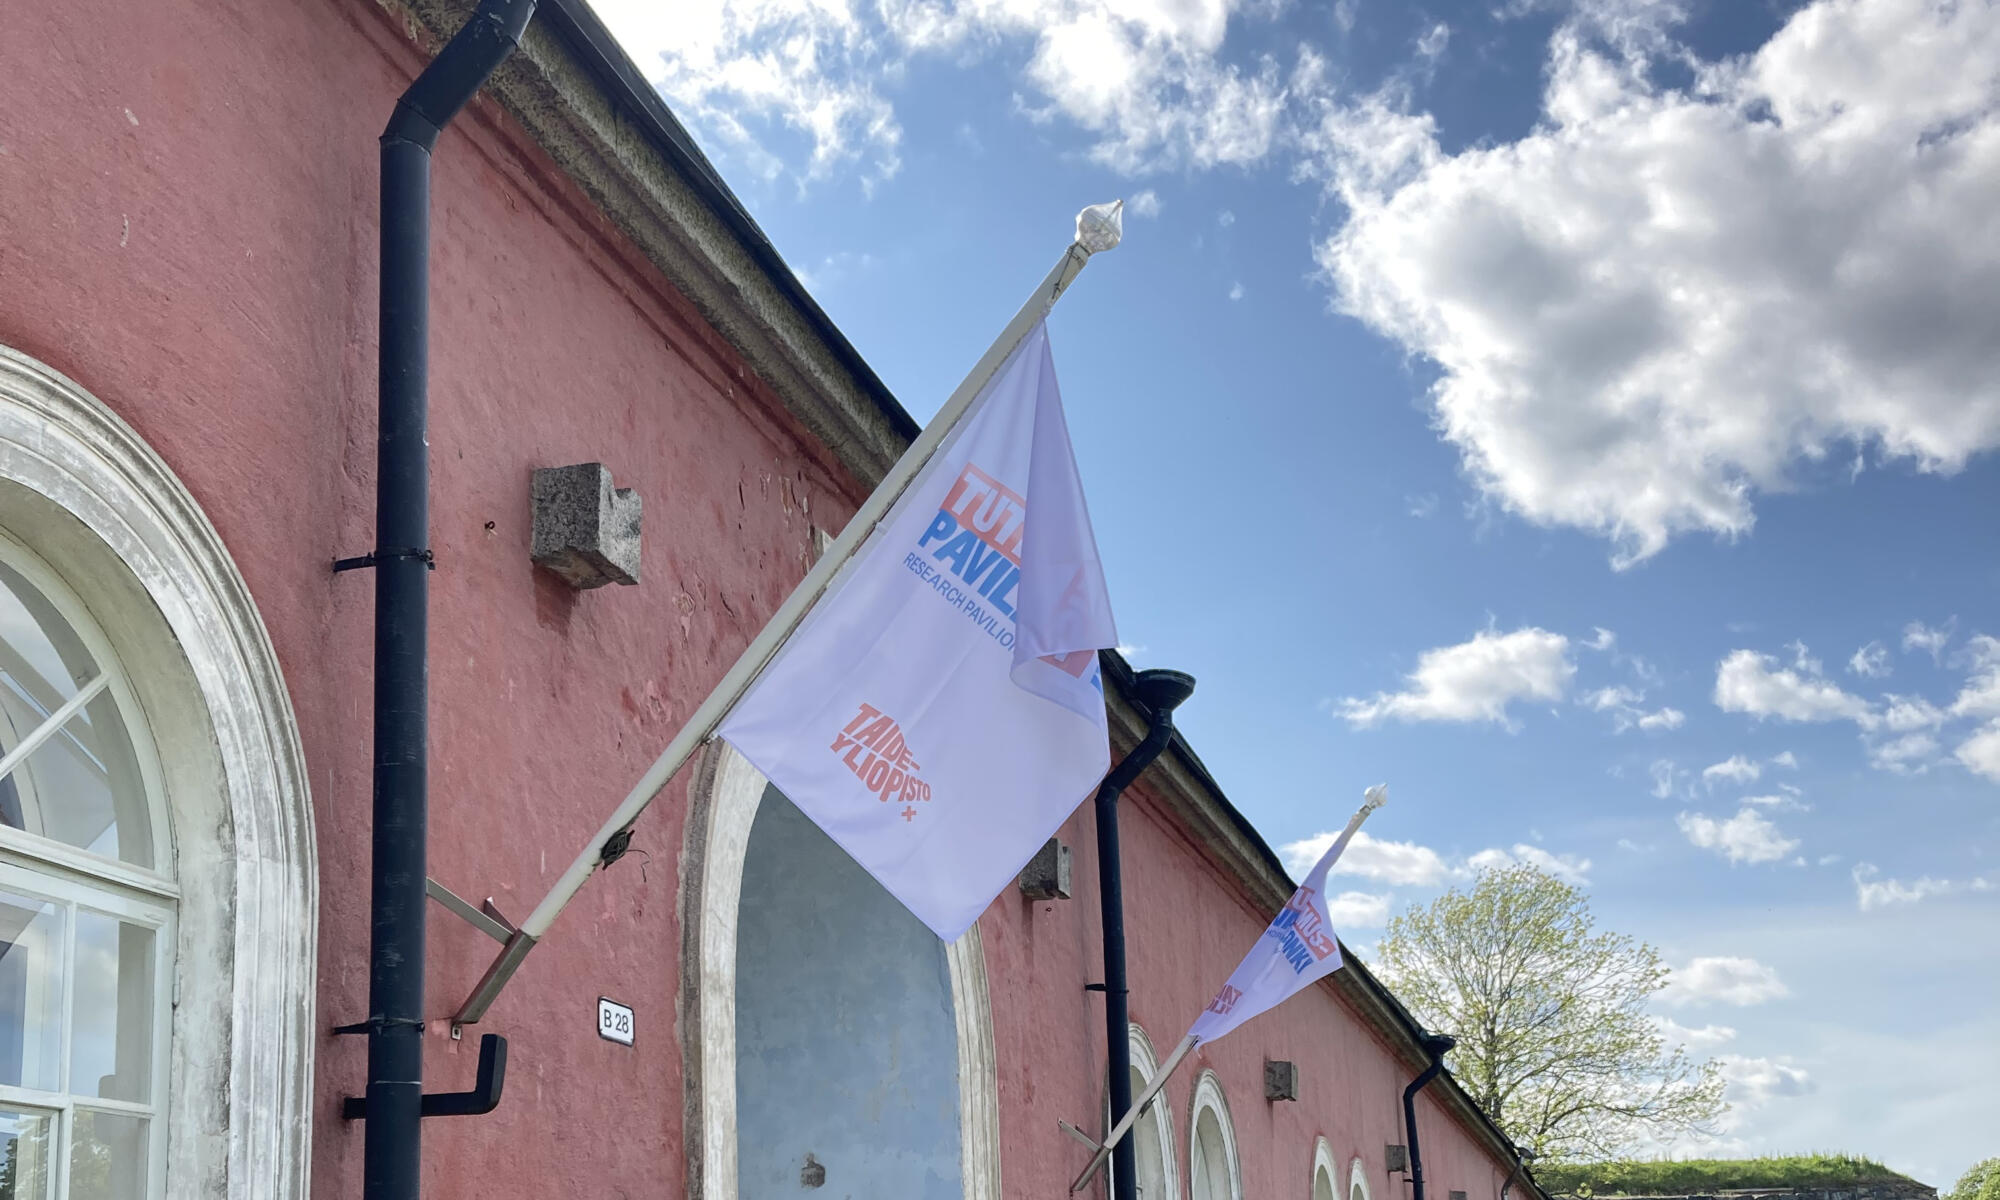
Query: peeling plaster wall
{"points": [[188, 229]]}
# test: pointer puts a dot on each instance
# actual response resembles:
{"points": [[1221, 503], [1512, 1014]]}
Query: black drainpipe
{"points": [[1159, 692], [402, 559], [1437, 1045], [1520, 1165]]}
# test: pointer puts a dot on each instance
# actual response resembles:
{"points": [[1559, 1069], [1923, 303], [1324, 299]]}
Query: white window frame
{"points": [[1324, 1162], [1147, 1063], [81, 490], [1357, 1180], [1208, 1098]]}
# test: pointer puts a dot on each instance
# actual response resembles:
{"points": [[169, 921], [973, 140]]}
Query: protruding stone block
{"points": [[1281, 1079], [1046, 877], [586, 531], [1395, 1158]]}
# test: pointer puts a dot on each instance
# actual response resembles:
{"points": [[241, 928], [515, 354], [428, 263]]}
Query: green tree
{"points": [[1554, 1040], [1982, 1182]]}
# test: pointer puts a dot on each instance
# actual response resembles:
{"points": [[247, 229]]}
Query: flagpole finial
{"points": [[1375, 797], [1101, 227]]}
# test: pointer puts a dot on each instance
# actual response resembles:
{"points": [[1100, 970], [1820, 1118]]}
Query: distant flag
{"points": [[1298, 948], [940, 713]]}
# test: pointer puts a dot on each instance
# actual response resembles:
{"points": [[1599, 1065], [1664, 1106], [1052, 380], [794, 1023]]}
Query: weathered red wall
{"points": [[206, 266], [187, 227]]}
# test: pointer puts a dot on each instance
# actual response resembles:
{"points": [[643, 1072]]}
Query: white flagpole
{"points": [[1139, 1104], [1098, 228], [1375, 797]]}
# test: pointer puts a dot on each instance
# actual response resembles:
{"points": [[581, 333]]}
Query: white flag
{"points": [[940, 713], [1298, 947]]}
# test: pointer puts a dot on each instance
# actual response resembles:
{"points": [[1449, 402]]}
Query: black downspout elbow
{"points": [[1160, 692], [1437, 1045], [392, 1152]]}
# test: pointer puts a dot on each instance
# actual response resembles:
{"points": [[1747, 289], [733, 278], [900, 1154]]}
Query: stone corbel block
{"points": [[586, 531], [1281, 1079], [1046, 877]]}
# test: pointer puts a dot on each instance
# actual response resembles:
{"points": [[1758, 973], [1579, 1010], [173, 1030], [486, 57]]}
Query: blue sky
{"points": [[1576, 413]]}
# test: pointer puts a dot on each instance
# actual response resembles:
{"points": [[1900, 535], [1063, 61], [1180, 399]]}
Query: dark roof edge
{"points": [[586, 36]]}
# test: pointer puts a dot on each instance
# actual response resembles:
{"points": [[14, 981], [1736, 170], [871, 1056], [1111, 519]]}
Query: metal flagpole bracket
{"points": [[1098, 228]]}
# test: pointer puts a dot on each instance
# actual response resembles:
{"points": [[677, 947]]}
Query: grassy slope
{"points": [[1665, 1177]]}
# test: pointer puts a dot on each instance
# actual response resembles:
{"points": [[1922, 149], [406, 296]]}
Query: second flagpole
{"points": [[1098, 228]]}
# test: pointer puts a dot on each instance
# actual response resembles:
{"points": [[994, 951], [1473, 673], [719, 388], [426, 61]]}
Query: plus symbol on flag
{"points": [[909, 813]]}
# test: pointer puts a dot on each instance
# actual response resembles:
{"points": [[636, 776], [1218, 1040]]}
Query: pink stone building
{"points": [[188, 223]]}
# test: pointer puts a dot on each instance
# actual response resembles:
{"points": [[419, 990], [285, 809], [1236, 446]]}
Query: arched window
{"points": [[1357, 1182], [1153, 1133], [86, 904], [1325, 1172], [155, 832], [1212, 1170]]}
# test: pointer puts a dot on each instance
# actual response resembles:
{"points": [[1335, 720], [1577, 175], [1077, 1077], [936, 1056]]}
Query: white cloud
{"points": [[1873, 892], [1909, 754], [1757, 1081], [1147, 81], [1664, 773], [1871, 661], [1900, 714], [1144, 203], [1475, 680], [1981, 695], [1785, 759], [1930, 640], [1358, 910], [1403, 863], [1664, 718], [1778, 803], [1666, 300], [1981, 752], [1601, 639], [1425, 505], [1607, 699], [1569, 868], [1746, 837], [1735, 768], [1236, 291], [1225, 218], [1723, 980], [1708, 1037], [1749, 682]]}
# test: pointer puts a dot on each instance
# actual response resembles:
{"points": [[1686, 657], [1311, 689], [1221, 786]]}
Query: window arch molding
{"points": [[724, 797], [83, 491], [1324, 1166], [1209, 1101], [1357, 1181], [1146, 1064]]}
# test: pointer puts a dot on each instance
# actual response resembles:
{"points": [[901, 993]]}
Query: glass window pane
{"points": [[111, 1048], [31, 942], [107, 1159], [24, 1154], [82, 786]]}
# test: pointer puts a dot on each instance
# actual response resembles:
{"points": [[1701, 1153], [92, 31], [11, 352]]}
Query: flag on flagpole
{"points": [[941, 713], [1298, 948]]}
